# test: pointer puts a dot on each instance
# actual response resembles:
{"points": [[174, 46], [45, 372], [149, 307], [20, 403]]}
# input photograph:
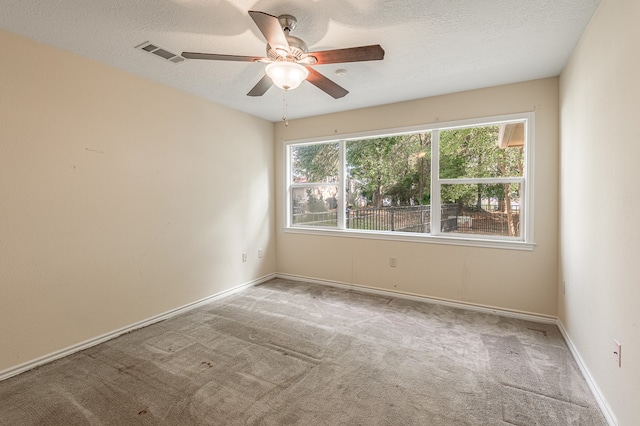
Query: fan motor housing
{"points": [[297, 49]]}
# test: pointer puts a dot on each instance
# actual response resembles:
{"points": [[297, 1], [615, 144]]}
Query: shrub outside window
{"points": [[463, 181]]}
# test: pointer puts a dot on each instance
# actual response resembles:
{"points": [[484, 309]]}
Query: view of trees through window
{"points": [[385, 183]]}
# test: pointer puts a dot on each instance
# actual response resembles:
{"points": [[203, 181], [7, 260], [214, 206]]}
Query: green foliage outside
{"points": [[395, 168], [316, 163], [474, 153], [398, 168], [315, 204]]}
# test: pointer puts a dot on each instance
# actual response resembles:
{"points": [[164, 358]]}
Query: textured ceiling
{"points": [[432, 47]]}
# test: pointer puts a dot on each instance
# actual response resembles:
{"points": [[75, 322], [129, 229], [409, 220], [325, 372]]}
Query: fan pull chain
{"points": [[284, 109]]}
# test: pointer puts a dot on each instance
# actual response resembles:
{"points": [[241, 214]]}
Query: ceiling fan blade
{"points": [[263, 85], [216, 57], [326, 85], [271, 29], [350, 54]]}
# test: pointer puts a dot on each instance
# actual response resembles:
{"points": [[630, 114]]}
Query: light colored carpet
{"points": [[288, 353]]}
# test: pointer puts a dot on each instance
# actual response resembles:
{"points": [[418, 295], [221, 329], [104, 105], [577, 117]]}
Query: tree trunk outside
{"points": [[507, 199]]}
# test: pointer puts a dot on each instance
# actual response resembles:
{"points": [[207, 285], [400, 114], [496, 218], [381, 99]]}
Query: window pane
{"points": [[315, 206], [483, 209], [315, 163], [388, 183], [389, 171], [481, 152]]}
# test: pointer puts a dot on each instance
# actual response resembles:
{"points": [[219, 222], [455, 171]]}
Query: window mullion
{"points": [[288, 221], [435, 183], [342, 188], [458, 181], [312, 184]]}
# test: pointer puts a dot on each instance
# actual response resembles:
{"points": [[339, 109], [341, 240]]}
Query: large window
{"points": [[463, 182]]}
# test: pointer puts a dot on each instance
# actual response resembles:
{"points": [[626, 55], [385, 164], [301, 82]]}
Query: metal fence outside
{"points": [[417, 219]]}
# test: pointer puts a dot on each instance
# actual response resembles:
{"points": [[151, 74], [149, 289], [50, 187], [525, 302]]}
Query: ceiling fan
{"points": [[288, 59]]}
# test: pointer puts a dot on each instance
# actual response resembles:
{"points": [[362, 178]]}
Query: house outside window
{"points": [[459, 182]]}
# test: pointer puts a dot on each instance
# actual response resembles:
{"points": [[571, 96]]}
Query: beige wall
{"points": [[600, 181], [509, 279], [120, 199]]}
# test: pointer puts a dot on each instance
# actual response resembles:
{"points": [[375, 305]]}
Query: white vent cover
{"points": [[160, 52]]}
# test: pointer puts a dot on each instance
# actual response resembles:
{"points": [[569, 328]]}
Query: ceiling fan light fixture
{"points": [[286, 75]]}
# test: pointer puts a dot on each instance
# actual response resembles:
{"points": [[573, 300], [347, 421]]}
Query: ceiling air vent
{"points": [[160, 52]]}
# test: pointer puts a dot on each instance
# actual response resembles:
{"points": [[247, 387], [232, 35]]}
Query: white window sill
{"points": [[456, 240]]}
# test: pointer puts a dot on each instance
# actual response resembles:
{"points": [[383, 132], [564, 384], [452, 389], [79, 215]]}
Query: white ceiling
{"points": [[432, 47]]}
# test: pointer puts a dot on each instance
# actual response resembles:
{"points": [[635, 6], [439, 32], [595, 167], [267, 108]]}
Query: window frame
{"points": [[523, 242]]}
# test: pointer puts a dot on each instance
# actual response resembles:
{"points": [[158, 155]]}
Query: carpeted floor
{"points": [[289, 353]]}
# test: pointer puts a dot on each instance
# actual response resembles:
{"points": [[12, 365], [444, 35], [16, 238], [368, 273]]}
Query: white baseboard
{"points": [[427, 299], [21, 368], [595, 390]]}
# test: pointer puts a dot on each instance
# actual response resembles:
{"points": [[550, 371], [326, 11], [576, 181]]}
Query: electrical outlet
{"points": [[244, 257], [617, 353], [393, 262], [260, 254]]}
